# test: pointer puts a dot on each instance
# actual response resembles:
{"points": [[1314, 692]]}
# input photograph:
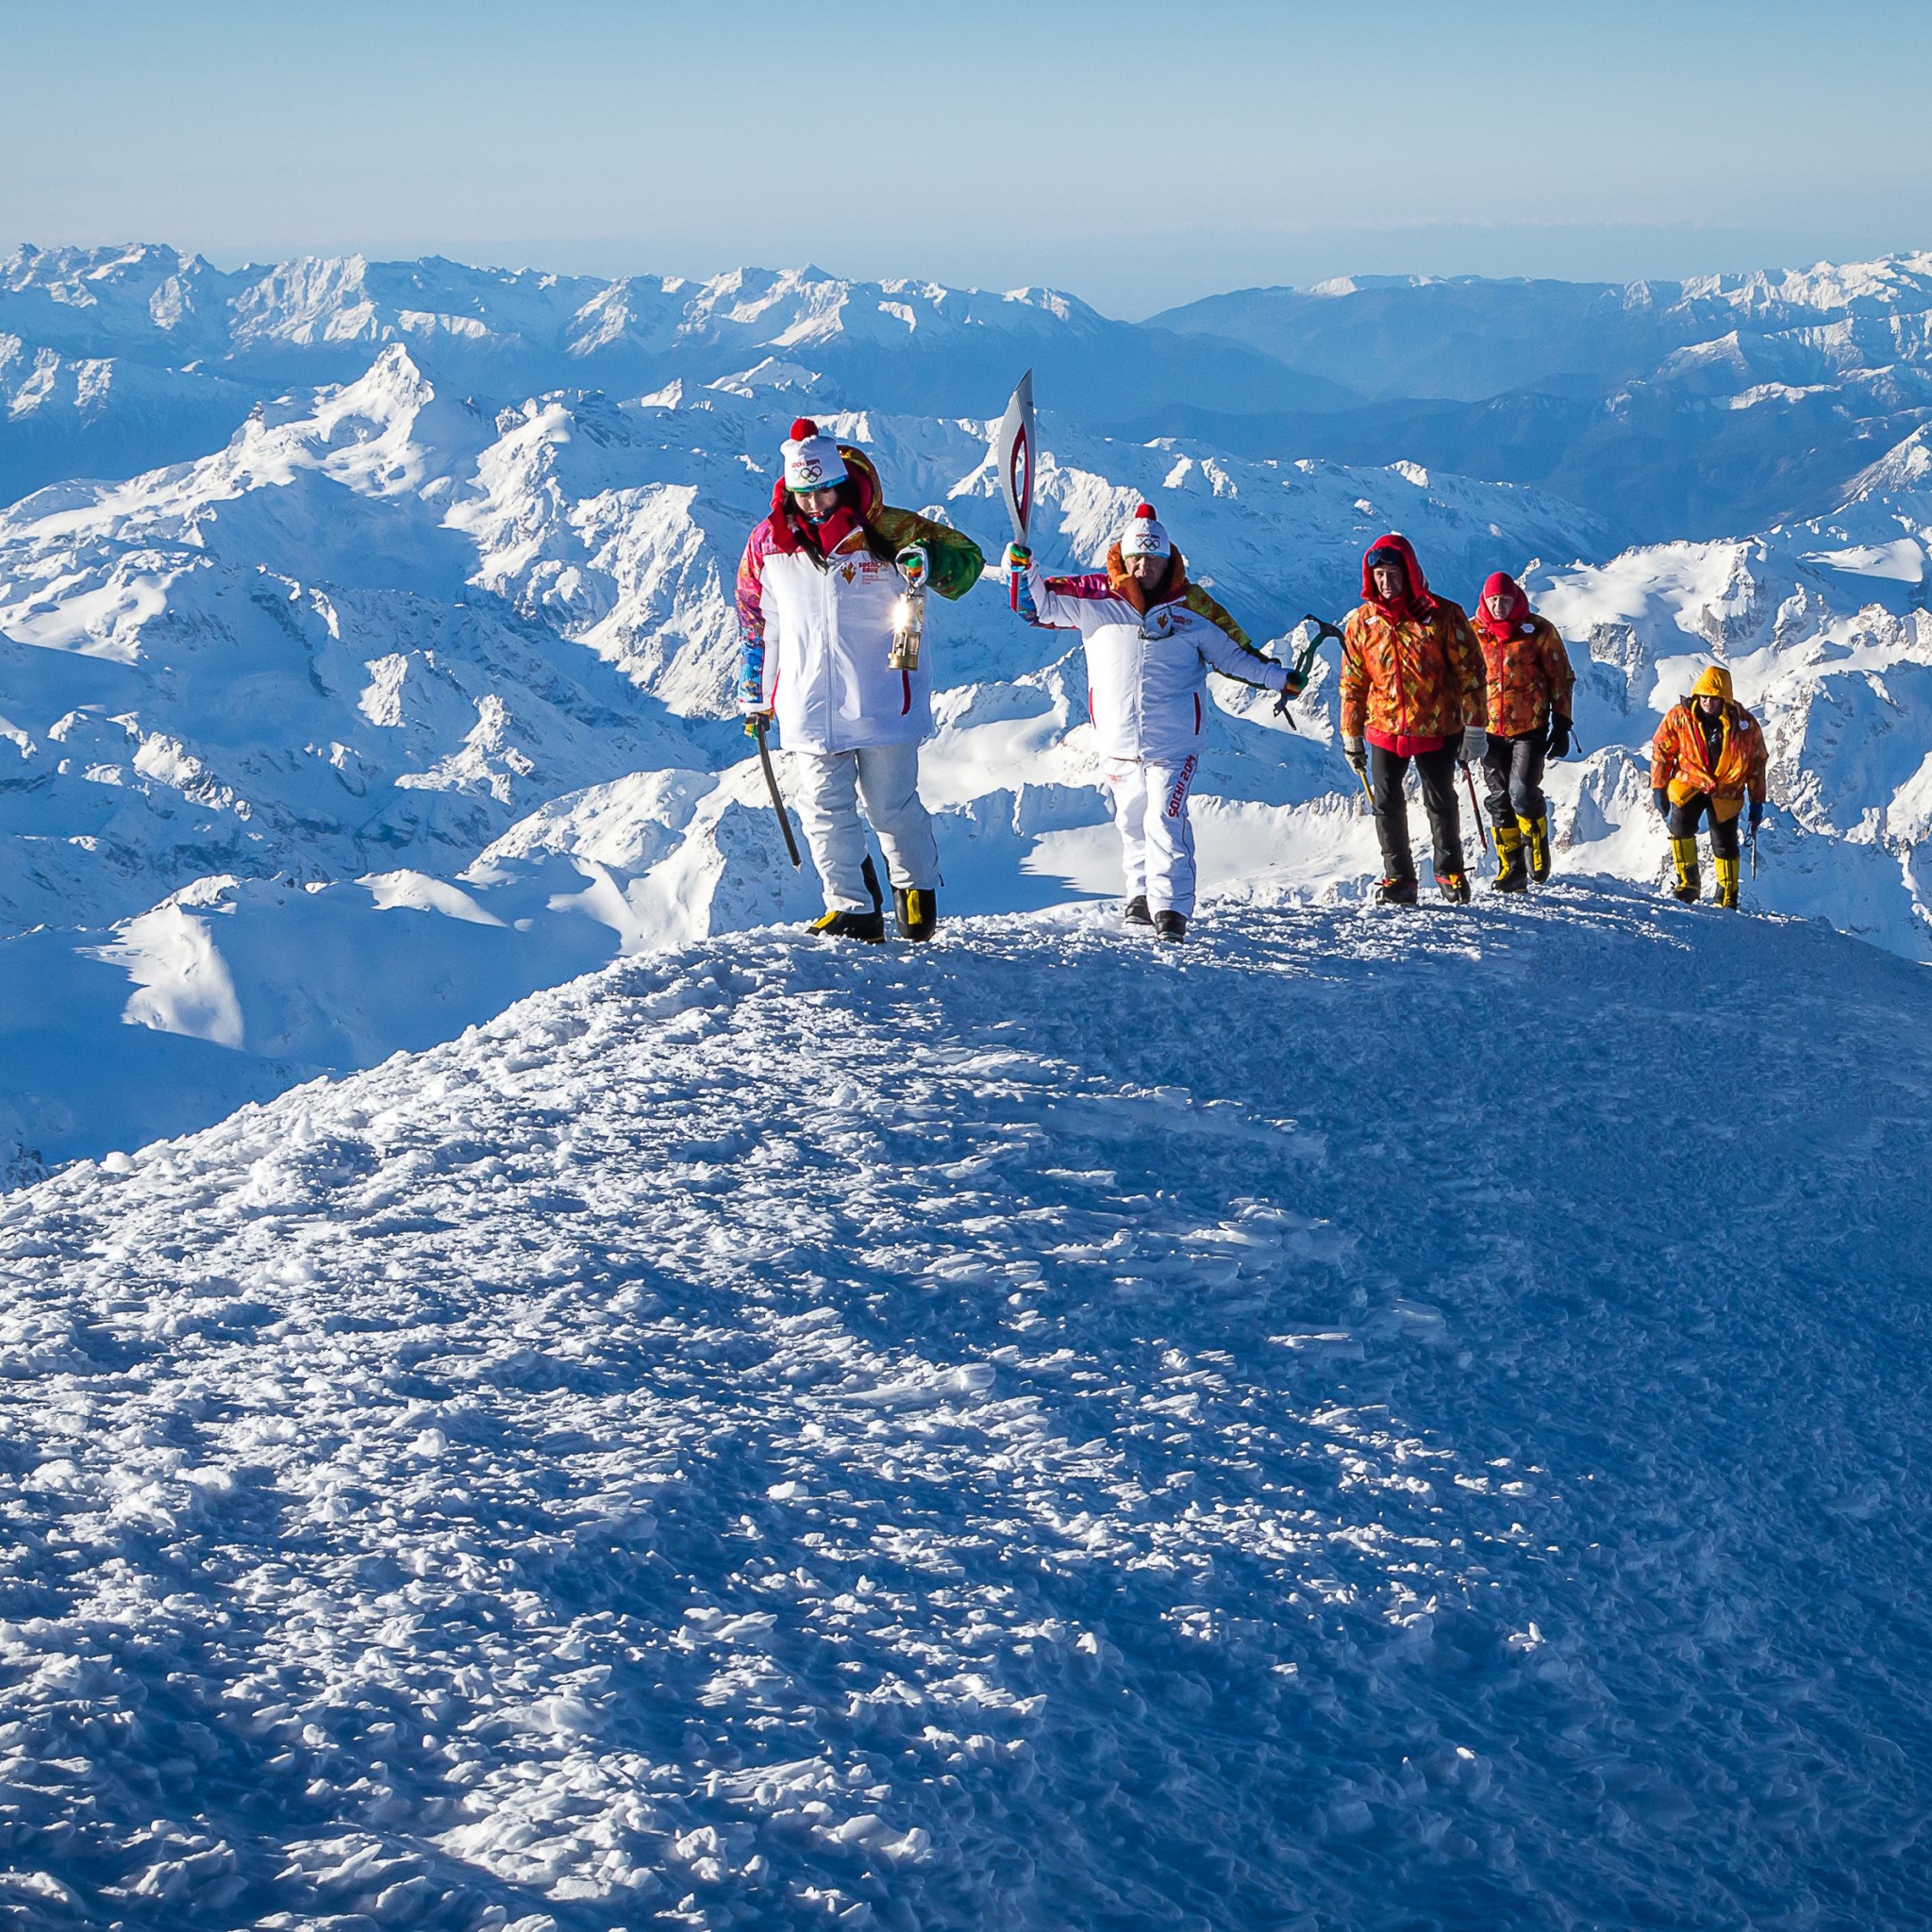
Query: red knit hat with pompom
{"points": [[811, 460]]}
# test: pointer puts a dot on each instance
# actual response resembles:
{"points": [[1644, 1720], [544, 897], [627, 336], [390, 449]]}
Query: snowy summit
{"points": [[760, 1438]]}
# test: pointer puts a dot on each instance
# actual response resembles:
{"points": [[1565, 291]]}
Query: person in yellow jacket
{"points": [[1707, 758]]}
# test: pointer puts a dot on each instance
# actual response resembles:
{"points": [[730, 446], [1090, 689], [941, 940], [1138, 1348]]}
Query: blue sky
{"points": [[1138, 155]]}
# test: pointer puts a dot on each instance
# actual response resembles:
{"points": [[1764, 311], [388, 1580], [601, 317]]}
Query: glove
{"points": [[914, 566], [1756, 813], [1295, 683], [1557, 745], [1018, 557], [1357, 753], [1661, 799], [1476, 741]]}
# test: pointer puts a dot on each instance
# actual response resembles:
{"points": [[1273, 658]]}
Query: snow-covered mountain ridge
{"points": [[1024, 1432], [407, 697], [117, 351]]}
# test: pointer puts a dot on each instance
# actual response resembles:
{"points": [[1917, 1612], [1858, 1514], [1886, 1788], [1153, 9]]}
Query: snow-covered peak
{"points": [[1889, 282]]}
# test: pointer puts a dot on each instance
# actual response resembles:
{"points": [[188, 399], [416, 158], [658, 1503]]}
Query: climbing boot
{"points": [[917, 910], [1535, 833], [1454, 887], [1513, 858], [1135, 912], [1395, 891], [837, 924], [1690, 881], [1727, 871], [1172, 926]]}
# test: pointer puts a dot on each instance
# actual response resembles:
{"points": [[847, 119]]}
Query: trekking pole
{"points": [[1476, 811], [757, 731]]}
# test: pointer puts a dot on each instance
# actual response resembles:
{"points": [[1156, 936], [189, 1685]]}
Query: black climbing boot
{"points": [[917, 910]]}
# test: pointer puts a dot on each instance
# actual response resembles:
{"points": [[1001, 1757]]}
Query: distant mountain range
{"points": [[1703, 408], [1698, 408]]}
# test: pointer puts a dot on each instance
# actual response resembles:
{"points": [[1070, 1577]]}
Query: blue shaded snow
{"points": [[1370, 1421]]}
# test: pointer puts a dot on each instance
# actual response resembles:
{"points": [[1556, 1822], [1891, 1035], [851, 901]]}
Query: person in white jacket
{"points": [[829, 592], [1151, 637]]}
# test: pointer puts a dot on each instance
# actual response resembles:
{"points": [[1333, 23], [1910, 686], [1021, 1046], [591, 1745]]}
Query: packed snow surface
{"points": [[1372, 1420]]}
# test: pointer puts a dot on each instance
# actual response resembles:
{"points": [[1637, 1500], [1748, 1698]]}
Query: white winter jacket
{"points": [[1146, 674], [827, 634]]}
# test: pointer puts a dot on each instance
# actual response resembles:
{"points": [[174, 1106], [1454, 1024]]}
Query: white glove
{"points": [[1475, 744]]}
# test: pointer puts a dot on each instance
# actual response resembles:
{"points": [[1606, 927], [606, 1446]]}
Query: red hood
{"points": [[1501, 584], [1419, 604]]}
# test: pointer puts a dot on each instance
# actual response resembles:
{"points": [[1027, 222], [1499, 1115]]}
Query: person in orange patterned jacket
{"points": [[1411, 688], [1531, 681], [1707, 755]]}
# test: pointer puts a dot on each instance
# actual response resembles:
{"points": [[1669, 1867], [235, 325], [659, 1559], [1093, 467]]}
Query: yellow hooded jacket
{"points": [[1680, 760]]}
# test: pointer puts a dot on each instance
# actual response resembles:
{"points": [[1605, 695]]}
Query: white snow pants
{"points": [[1150, 807], [830, 785]]}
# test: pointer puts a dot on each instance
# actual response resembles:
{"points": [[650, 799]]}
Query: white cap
{"points": [[811, 461], [1144, 536]]}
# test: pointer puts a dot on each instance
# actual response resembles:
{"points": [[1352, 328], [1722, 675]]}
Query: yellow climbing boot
{"points": [[1727, 874], [1536, 835], [1513, 871], [1690, 881]]}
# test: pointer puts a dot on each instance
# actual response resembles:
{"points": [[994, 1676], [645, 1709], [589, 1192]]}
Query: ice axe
{"points": [[1303, 663], [757, 731], [1366, 793]]}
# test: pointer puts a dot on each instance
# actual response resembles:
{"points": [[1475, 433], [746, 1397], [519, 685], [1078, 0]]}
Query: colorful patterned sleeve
{"points": [[1083, 603], [1227, 648], [750, 618], [1202, 604], [1562, 680], [1472, 678], [955, 561], [1663, 753], [1758, 760], [1355, 678]]}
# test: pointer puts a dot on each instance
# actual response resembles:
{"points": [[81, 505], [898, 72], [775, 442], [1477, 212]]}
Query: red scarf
{"points": [[793, 530], [1503, 629], [829, 531]]}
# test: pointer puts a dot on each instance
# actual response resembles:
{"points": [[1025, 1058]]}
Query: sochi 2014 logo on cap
{"points": [[812, 468]]}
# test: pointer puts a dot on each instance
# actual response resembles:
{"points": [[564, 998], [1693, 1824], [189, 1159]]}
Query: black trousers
{"points": [[1684, 817], [1437, 771], [1514, 769]]}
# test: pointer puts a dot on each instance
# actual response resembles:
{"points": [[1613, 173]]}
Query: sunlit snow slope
{"points": [[1390, 1422]]}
